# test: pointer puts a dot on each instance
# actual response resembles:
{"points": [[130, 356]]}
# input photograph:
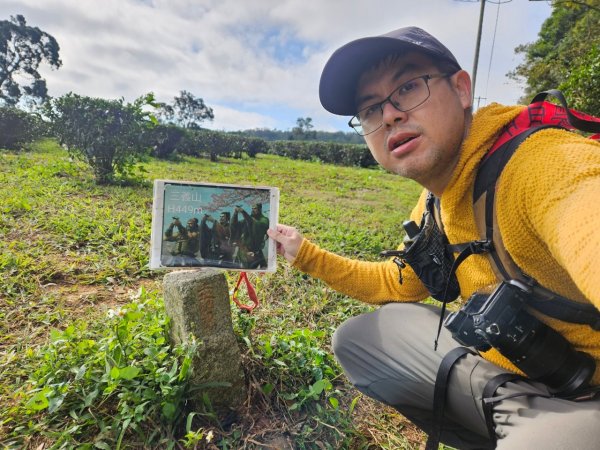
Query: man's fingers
{"points": [[281, 233], [274, 234], [288, 240], [285, 229]]}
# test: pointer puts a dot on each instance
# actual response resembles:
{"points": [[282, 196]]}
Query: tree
{"points": [[582, 87], [254, 146], [302, 130], [22, 50], [565, 56], [187, 111], [106, 134]]}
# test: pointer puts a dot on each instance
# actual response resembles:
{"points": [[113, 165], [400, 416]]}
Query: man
{"points": [[412, 102], [188, 238], [252, 232], [187, 242], [217, 240]]}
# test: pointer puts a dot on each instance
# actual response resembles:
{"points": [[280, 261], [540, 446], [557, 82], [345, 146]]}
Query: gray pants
{"points": [[388, 355]]}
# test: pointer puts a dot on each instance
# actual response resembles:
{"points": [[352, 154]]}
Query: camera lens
{"points": [[545, 355]]}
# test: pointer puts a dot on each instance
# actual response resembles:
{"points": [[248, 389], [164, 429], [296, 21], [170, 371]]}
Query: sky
{"points": [[257, 63]]}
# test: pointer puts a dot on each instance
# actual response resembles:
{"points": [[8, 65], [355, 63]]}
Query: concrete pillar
{"points": [[197, 302]]}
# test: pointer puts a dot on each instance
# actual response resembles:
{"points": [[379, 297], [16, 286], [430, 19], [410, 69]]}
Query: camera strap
{"points": [[464, 251], [440, 391]]}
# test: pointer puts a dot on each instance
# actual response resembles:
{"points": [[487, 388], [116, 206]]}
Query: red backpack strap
{"points": [[540, 113], [564, 116]]}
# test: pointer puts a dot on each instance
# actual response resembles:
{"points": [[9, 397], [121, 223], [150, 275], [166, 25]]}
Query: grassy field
{"points": [[78, 302]]}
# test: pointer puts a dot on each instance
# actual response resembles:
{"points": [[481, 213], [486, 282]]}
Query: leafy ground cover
{"points": [[85, 360]]}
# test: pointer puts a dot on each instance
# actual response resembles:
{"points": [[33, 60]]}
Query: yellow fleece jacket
{"points": [[548, 215]]}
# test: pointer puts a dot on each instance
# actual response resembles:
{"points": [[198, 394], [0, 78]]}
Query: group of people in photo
{"points": [[232, 241]]}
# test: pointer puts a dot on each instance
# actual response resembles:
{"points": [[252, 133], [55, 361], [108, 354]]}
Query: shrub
{"points": [[106, 134], [204, 143], [18, 128], [209, 144], [213, 144], [328, 152], [164, 139], [253, 146]]}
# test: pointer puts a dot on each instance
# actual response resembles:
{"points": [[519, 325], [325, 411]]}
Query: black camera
{"points": [[501, 320]]}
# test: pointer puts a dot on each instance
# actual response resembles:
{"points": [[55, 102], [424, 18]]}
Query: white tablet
{"points": [[213, 225]]}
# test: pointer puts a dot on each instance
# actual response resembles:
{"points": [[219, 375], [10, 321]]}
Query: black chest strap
{"points": [[558, 307]]}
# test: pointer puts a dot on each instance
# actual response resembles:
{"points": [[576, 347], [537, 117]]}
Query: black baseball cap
{"points": [[337, 88]]}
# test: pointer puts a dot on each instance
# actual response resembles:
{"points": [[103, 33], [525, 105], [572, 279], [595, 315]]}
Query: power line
{"points": [[487, 83], [478, 41]]}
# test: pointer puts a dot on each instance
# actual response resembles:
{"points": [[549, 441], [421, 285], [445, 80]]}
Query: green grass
{"points": [[71, 251]]}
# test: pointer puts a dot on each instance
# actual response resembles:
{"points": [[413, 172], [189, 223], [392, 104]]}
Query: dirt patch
{"points": [[27, 322], [383, 424], [101, 297]]}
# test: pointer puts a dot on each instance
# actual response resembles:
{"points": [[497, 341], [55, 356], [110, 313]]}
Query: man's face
{"points": [[223, 219], [255, 211], [422, 144]]}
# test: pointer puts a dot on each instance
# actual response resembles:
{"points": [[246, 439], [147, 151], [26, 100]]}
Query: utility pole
{"points": [[476, 62]]}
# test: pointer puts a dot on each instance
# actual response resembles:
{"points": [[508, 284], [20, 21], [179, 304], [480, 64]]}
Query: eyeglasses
{"points": [[407, 96]]}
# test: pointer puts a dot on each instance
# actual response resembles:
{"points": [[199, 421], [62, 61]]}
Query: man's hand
{"points": [[288, 241]]}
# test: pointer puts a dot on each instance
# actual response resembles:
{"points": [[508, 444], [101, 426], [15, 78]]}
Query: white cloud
{"points": [[261, 54], [225, 117]]}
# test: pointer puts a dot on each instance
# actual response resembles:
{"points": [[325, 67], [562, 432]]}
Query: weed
{"points": [[111, 381]]}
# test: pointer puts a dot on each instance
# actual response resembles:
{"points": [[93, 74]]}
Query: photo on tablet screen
{"points": [[213, 225]]}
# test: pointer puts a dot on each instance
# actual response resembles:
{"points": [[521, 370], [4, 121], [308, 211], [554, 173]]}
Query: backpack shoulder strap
{"points": [[484, 207], [564, 117], [539, 115]]}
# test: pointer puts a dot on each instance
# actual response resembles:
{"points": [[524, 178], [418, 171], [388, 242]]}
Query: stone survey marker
{"points": [[197, 302]]}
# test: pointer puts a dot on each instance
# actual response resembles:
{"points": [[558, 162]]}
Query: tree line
{"points": [[269, 134], [113, 136]]}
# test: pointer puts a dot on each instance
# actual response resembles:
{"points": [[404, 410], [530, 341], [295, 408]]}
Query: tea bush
{"points": [[18, 128]]}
